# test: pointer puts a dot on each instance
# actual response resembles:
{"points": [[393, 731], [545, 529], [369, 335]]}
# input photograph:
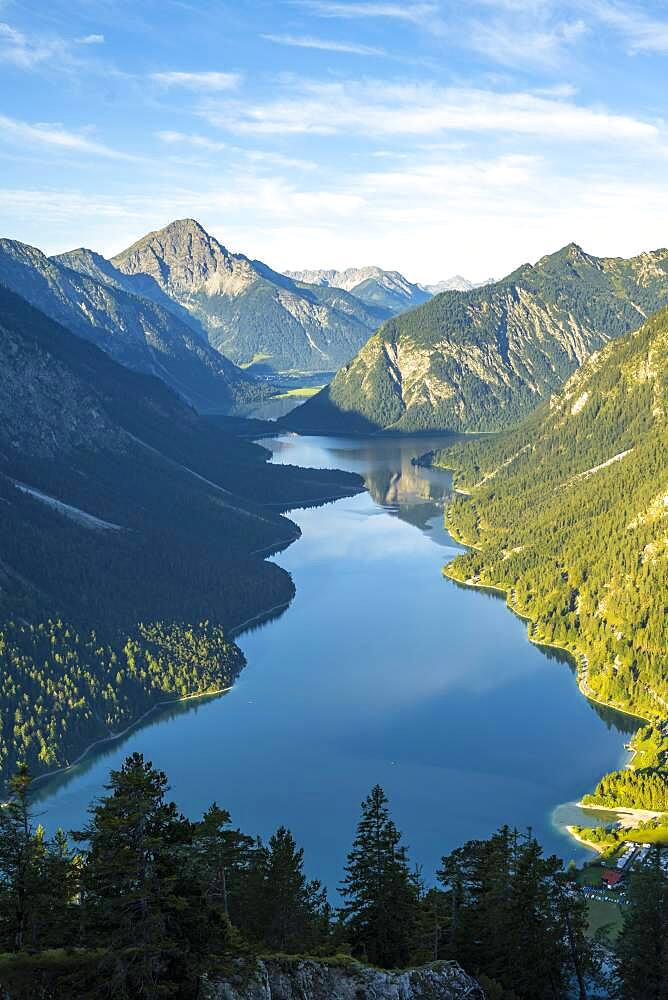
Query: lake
{"points": [[380, 671]]}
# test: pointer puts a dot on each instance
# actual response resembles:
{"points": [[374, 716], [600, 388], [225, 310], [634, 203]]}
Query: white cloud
{"points": [[428, 220], [324, 44], [25, 53], [379, 108], [90, 40], [198, 81], [418, 13], [188, 139], [278, 159], [56, 137], [641, 32], [270, 157], [511, 44]]}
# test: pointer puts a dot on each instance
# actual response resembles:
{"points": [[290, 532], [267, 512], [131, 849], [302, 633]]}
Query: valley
{"points": [[447, 682]]}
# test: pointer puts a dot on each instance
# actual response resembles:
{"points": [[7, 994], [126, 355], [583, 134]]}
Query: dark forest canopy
{"points": [[127, 524], [143, 902]]}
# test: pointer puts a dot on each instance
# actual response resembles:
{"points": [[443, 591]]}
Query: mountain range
{"points": [[456, 284], [257, 317], [482, 359], [91, 298], [387, 289], [178, 305], [568, 513]]}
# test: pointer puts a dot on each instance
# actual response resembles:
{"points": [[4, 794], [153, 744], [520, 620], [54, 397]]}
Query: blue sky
{"points": [[432, 137]]}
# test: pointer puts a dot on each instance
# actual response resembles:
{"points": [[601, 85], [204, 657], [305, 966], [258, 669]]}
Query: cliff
{"points": [[304, 979]]}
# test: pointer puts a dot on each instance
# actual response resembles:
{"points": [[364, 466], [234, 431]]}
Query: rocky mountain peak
{"points": [[480, 361], [13, 249], [182, 258], [246, 311], [572, 253]]}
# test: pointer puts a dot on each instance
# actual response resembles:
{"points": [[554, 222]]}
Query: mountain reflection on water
{"points": [[381, 670]]}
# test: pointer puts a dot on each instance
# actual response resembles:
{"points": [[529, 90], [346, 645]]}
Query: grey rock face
{"points": [[388, 289], [456, 284], [91, 298], [302, 979], [249, 313], [482, 359]]}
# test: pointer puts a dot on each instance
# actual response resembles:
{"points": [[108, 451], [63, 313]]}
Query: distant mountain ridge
{"points": [[91, 298], [387, 289], [250, 313], [480, 360], [456, 284]]}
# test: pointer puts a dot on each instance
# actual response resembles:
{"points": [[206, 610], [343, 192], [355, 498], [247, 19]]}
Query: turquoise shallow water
{"points": [[380, 671]]}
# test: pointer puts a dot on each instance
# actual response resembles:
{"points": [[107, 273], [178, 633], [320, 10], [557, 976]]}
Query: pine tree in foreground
{"points": [[381, 899], [517, 918], [143, 896], [642, 947], [293, 911]]}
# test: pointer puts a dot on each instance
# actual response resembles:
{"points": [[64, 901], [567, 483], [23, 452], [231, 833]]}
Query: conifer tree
{"points": [[19, 868], [223, 857], [515, 917], [381, 899], [642, 946], [132, 875], [292, 909]]}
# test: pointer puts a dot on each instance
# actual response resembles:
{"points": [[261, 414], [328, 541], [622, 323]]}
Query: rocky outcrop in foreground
{"points": [[304, 979]]}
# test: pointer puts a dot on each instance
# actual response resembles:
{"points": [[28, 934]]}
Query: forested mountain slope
{"points": [[84, 292], [386, 289], [570, 514], [480, 360], [249, 312], [126, 522]]}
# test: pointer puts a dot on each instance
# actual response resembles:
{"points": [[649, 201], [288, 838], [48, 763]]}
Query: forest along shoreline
{"points": [[625, 815], [233, 632]]}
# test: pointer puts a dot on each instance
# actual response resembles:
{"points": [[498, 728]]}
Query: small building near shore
{"points": [[611, 877]]}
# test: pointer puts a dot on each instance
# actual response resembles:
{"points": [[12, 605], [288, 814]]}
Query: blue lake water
{"points": [[380, 671]]}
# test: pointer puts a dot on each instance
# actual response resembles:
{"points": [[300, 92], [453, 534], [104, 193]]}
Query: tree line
{"points": [[144, 902], [568, 516]]}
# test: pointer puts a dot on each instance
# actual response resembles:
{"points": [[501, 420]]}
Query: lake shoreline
{"points": [[234, 631], [574, 654], [596, 848], [351, 550], [625, 811], [214, 693]]}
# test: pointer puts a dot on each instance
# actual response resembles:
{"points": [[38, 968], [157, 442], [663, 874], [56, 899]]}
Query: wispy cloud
{"points": [[26, 53], [57, 138], [198, 81], [188, 140], [510, 44], [376, 107], [641, 32], [415, 12], [90, 40], [325, 44]]}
